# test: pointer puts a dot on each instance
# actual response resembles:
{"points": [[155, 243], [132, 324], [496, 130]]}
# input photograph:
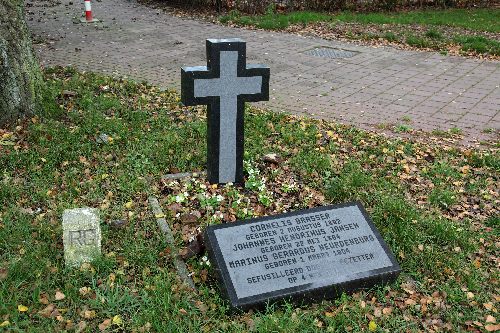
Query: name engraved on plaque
{"points": [[310, 250]]}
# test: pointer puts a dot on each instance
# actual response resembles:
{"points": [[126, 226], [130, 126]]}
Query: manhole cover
{"points": [[328, 52]]}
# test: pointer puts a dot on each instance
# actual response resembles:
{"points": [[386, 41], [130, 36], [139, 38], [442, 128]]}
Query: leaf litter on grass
{"points": [[435, 202]]}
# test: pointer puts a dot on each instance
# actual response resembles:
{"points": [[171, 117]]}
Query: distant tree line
{"points": [[261, 6]]}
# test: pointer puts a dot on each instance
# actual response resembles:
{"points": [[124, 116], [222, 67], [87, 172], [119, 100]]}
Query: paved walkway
{"points": [[376, 86]]}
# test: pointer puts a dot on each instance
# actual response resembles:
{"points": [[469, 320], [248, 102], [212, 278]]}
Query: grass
{"points": [[478, 44], [476, 19], [475, 22], [435, 207]]}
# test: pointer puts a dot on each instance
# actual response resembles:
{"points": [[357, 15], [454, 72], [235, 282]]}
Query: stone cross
{"points": [[225, 84]]}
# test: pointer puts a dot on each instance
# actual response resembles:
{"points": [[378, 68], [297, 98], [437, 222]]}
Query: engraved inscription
{"points": [[310, 249], [82, 237]]}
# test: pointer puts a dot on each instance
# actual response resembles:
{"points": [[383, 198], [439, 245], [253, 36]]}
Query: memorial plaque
{"points": [[306, 255]]}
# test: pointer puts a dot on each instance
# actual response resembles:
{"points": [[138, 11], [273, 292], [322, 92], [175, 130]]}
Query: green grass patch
{"points": [[476, 19], [478, 44], [471, 19]]}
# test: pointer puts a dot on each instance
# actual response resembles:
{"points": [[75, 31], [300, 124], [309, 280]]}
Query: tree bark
{"points": [[20, 75]]}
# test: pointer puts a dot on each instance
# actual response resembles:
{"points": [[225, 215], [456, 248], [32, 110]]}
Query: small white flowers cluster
{"points": [[205, 261], [257, 183], [181, 197], [289, 187]]}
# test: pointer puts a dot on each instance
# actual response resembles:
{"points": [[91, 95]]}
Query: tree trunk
{"points": [[20, 75]]}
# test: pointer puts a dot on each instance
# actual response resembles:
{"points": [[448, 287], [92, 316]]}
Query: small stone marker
{"points": [[306, 255], [81, 235], [225, 84]]}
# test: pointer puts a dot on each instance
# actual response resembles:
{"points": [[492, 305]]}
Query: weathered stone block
{"points": [[81, 235]]}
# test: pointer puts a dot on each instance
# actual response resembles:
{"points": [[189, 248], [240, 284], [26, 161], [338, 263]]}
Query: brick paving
{"points": [[378, 86]]}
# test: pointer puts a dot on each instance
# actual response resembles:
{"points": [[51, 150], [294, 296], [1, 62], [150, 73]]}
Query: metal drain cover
{"points": [[328, 52]]}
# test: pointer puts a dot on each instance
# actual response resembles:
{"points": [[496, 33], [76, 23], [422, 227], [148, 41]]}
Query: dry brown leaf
{"points": [[202, 307], [85, 291], [387, 311], [105, 324], [43, 299], [492, 328], [59, 296], [81, 326], [47, 311], [488, 306], [88, 314], [410, 301]]}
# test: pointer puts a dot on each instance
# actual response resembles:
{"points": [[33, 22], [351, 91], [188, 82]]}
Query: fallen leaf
{"points": [[47, 311], [3, 273], [387, 311], [372, 326], [59, 296], [81, 326], [44, 299], [105, 324], [117, 320], [490, 319], [410, 301], [84, 291], [272, 158], [89, 314], [22, 308], [488, 305], [492, 328], [129, 205], [5, 323], [181, 310], [189, 218]]}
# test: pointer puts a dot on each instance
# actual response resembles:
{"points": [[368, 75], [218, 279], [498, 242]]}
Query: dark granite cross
{"points": [[225, 84]]}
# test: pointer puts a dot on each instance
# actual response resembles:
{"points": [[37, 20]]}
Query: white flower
{"points": [[219, 198]]}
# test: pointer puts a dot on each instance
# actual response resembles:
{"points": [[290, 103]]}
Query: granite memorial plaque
{"points": [[225, 84], [81, 235], [307, 255]]}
